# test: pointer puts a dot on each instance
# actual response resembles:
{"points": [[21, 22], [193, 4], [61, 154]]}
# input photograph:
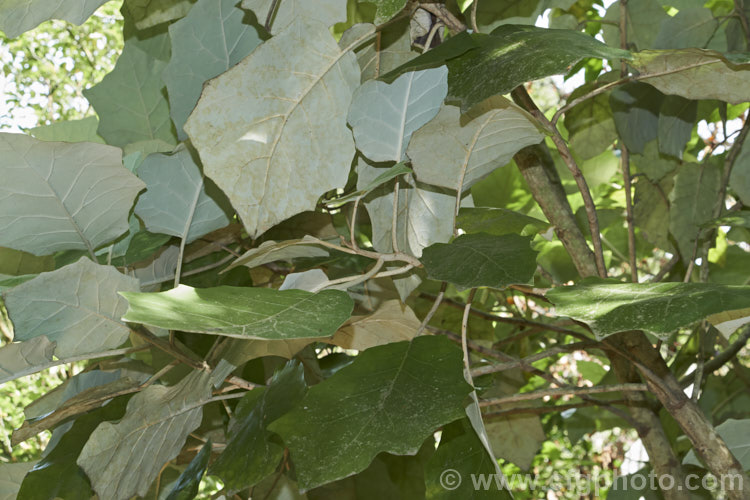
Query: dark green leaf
{"points": [[676, 119], [190, 479], [452, 47], [695, 193], [389, 399], [635, 108], [498, 221], [481, 259]]}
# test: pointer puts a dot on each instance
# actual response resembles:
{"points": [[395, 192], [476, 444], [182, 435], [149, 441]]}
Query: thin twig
{"points": [[197, 270], [269, 16], [564, 391], [464, 333], [539, 410], [394, 218], [437, 300], [351, 280], [441, 12], [352, 227], [431, 36], [722, 358], [474, 7], [387, 257], [666, 268], [527, 361]]}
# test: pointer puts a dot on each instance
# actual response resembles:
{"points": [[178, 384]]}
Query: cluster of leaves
{"points": [[203, 244]]}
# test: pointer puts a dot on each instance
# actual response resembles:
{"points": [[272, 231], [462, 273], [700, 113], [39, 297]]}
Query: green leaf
{"points": [[395, 48], [695, 73], [462, 454], [130, 101], [736, 433], [242, 312], [695, 194], [651, 211], [387, 175], [385, 10], [653, 163], [60, 196], [456, 150], [452, 47], [22, 358], [76, 306], [492, 14], [17, 263], [389, 399], [481, 259], [688, 28], [735, 219], [590, 124], [178, 200], [11, 477], [327, 12], [739, 180], [515, 54], [123, 458], [659, 308], [207, 42], [251, 455], [254, 147], [384, 116], [644, 18], [57, 475], [83, 130], [18, 16], [634, 106], [392, 321], [516, 438], [676, 119], [189, 481], [498, 221], [272, 251], [149, 13]]}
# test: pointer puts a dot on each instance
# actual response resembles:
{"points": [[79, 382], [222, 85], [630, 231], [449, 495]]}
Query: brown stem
{"points": [[441, 12], [539, 410]]}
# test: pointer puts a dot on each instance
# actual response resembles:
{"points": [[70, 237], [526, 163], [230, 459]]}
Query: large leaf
{"points": [[696, 73], [676, 119], [384, 116], [251, 455], [130, 100], [481, 259], [76, 306], [736, 433], [60, 196], [694, 27], [659, 308], [498, 221], [515, 54], [242, 312], [122, 459], [644, 18], [739, 180], [274, 156], [389, 399], [590, 124], [693, 198], [17, 16], [208, 41], [149, 13], [391, 322], [327, 12], [178, 200], [21, 358], [455, 151], [635, 107], [11, 477], [394, 48]]}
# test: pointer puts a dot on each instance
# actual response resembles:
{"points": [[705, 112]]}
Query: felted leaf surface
{"points": [[178, 200], [83, 130], [242, 312], [514, 54], [272, 251], [129, 100], [456, 150], [389, 399], [76, 306], [271, 131], [149, 13], [498, 221], [327, 12], [693, 198], [208, 41], [122, 459], [391, 322], [384, 116], [60, 196], [736, 433], [19, 358], [18, 16], [659, 308], [11, 477], [395, 48], [251, 455], [695, 73], [481, 259], [187, 485]]}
